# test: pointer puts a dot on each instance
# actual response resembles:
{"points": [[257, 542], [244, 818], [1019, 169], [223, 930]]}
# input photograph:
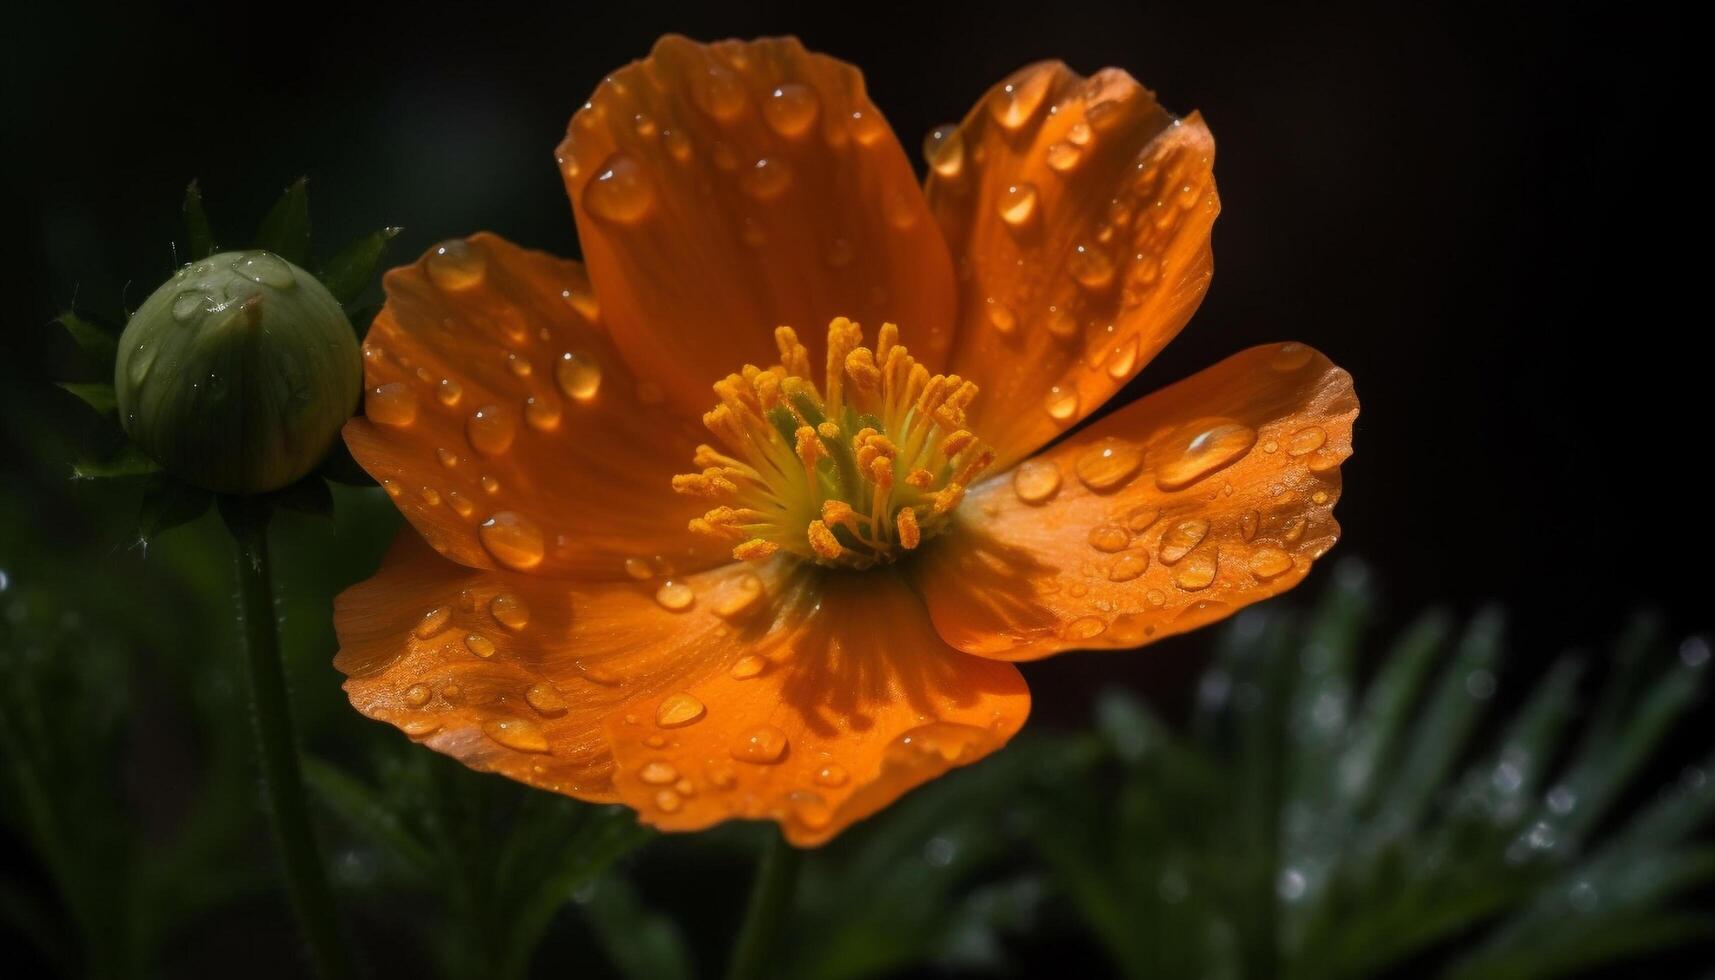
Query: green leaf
{"points": [[199, 235], [350, 271], [286, 229], [642, 943], [129, 461], [100, 344], [370, 815], [169, 502], [97, 395]]}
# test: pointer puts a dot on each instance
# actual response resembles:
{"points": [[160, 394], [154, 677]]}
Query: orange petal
{"points": [[1079, 213], [514, 673], [817, 719], [508, 429], [722, 190], [643, 692], [1171, 513]]}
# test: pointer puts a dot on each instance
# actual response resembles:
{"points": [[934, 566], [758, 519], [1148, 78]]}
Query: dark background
{"points": [[1484, 214], [1477, 212]]}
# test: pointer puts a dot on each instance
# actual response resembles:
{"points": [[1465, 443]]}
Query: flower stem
{"points": [[770, 900], [277, 749]]}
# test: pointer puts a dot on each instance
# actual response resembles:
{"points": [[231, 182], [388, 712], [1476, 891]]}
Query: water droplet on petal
{"points": [[620, 192], [1061, 403], [1036, 480], [944, 148], [678, 709], [1128, 566], [1018, 204], [1109, 464], [766, 179], [1063, 157], [1084, 628], [516, 733], [1306, 441], [719, 93], [791, 109], [456, 264], [1267, 563], [1198, 572], [1013, 104], [1291, 357], [1109, 538], [546, 699], [188, 303], [667, 801], [542, 412], [675, 596], [509, 611], [1179, 539], [394, 403], [513, 539], [491, 430], [449, 392], [434, 621], [1122, 360], [762, 745], [1141, 519], [832, 774], [748, 666], [1091, 267], [1208, 446], [418, 695], [1000, 316], [868, 127], [479, 645]]}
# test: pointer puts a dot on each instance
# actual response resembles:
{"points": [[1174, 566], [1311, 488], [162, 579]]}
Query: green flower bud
{"points": [[237, 373]]}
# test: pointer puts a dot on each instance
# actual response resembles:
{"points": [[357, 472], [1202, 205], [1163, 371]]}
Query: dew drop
{"points": [[521, 734], [667, 801], [546, 699], [1079, 134], [1198, 572], [1109, 464], [1061, 403], [491, 430], [1013, 104], [266, 269], [1128, 566], [1291, 357], [1018, 204], [748, 666], [1267, 563], [1306, 441], [867, 126], [1141, 519], [658, 773], [448, 392], [1179, 539], [542, 412], [719, 93], [1208, 446], [1122, 360], [509, 610], [1060, 323], [766, 179], [832, 774], [762, 745], [479, 645], [1084, 628], [418, 695], [1091, 267], [675, 596], [620, 191], [1063, 157], [518, 364], [579, 375], [810, 809], [1319, 498], [1000, 316], [944, 148], [677, 144], [418, 727], [1036, 480], [187, 303], [434, 621], [791, 109], [678, 709], [638, 569], [455, 265], [1109, 538], [394, 403], [513, 539]]}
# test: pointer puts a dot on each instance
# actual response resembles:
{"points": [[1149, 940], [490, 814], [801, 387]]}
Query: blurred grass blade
{"points": [[99, 343], [603, 836], [1387, 706], [641, 944], [97, 395], [199, 234], [352, 268], [1513, 773], [370, 815], [285, 230]]}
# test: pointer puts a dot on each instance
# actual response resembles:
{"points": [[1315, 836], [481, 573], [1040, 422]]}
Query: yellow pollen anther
{"points": [[823, 541], [854, 473], [910, 536]]}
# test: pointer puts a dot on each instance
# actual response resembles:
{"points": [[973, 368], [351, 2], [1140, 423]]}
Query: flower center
{"points": [[852, 475]]}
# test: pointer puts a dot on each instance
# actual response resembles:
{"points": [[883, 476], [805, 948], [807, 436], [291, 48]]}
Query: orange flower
{"points": [[811, 612]]}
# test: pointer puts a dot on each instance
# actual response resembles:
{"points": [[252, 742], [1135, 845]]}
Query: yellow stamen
{"points": [[854, 474]]}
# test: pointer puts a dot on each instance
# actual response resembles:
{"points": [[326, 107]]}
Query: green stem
{"points": [[770, 900], [277, 750]]}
